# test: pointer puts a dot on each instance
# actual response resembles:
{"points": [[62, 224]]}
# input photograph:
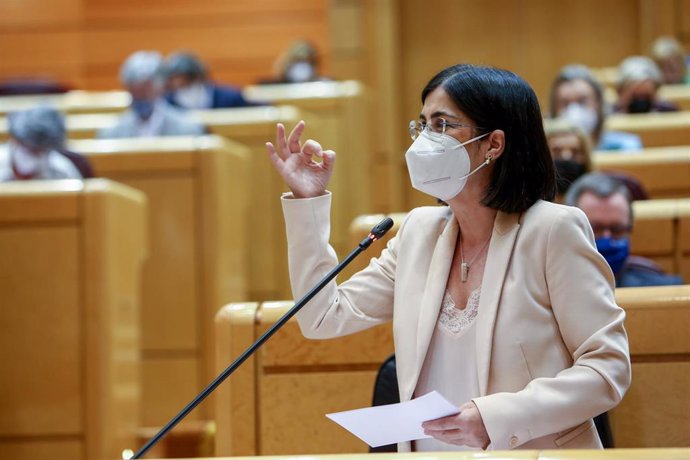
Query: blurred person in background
{"points": [[577, 96], [33, 151], [639, 79], [299, 64], [189, 87], [149, 113], [608, 206], [671, 59], [571, 152]]}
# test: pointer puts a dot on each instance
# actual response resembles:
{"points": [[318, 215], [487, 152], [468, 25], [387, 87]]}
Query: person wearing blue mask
{"points": [[149, 114], [608, 206]]}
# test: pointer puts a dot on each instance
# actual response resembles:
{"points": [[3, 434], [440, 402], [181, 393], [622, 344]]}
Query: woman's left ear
{"points": [[496, 142]]}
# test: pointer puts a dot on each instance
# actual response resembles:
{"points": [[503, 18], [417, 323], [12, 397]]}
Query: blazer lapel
{"points": [[435, 287], [497, 262]]}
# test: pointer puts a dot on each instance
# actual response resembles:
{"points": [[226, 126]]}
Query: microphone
{"points": [[376, 233]]}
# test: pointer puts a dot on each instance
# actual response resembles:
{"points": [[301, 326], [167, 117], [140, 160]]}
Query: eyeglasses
{"points": [[437, 125], [616, 231]]}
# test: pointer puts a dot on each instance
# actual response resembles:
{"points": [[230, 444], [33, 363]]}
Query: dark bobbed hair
{"points": [[574, 72], [498, 99]]}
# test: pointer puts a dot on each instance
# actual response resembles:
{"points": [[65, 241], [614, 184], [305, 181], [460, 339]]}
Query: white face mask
{"points": [[581, 116], [439, 164], [194, 96], [300, 72], [25, 162]]}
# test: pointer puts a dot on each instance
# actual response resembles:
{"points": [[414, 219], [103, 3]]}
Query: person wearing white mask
{"points": [[499, 300], [32, 152], [149, 114], [578, 97], [189, 87]]}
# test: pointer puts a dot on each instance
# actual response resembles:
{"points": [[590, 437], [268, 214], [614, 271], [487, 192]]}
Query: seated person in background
{"points": [[639, 79], [32, 152], [299, 64], [670, 56], [189, 87], [570, 150], [608, 206], [578, 97], [149, 114]]}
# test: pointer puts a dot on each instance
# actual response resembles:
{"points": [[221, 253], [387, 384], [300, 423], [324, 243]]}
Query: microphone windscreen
{"points": [[382, 227]]}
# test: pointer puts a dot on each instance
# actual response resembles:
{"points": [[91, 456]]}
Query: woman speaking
{"points": [[499, 300]]}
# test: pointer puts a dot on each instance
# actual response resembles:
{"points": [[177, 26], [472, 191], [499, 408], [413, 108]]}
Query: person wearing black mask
{"points": [[639, 79], [570, 150], [608, 206]]}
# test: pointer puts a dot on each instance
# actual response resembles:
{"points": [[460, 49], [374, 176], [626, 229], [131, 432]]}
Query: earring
{"points": [[489, 158]]}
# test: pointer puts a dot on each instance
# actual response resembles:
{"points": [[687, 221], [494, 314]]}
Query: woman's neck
{"points": [[476, 221]]}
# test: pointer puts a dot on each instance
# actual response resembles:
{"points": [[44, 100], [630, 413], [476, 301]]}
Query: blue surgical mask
{"points": [[143, 108], [615, 251]]}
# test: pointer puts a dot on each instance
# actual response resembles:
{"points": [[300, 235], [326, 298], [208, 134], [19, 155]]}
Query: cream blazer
{"points": [[551, 348]]}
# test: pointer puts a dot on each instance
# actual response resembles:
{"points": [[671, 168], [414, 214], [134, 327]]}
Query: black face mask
{"points": [[567, 171], [640, 105]]}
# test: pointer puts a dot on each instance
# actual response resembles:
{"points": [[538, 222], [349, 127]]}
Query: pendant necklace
{"points": [[465, 266]]}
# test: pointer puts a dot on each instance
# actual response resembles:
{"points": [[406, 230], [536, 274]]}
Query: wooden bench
{"points": [[275, 403], [665, 173], [76, 101], [198, 208], [655, 129], [70, 277], [661, 232]]}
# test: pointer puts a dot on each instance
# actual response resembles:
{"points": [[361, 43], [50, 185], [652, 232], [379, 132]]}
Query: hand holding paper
{"points": [[393, 423]]}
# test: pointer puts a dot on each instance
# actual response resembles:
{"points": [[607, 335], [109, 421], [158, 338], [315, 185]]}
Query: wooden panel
{"points": [[169, 383], [655, 129], [235, 405], [40, 205], [656, 401], [42, 450], [664, 175], [170, 289], [34, 12], [48, 396], [307, 397]]}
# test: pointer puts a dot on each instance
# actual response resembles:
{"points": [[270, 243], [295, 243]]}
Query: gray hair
{"points": [[140, 67], [185, 64], [600, 185], [638, 68], [38, 128]]}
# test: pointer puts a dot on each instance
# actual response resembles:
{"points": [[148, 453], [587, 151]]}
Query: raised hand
{"points": [[295, 162]]}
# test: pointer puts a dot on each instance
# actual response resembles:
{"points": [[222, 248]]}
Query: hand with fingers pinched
{"points": [[463, 429], [295, 162]]}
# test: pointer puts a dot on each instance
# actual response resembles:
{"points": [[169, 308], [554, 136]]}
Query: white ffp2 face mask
{"points": [[439, 164], [581, 116]]}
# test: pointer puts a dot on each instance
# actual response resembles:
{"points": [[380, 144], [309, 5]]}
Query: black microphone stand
{"points": [[377, 232]]}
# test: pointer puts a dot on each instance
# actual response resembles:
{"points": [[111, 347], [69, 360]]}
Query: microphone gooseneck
{"points": [[377, 232]]}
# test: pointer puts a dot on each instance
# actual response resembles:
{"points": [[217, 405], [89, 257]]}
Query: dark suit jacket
{"points": [[222, 97], [639, 272]]}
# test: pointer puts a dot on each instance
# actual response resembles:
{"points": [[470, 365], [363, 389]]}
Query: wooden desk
{"points": [[610, 454], [275, 403], [665, 173], [70, 276], [71, 102], [198, 207], [655, 129], [654, 412]]}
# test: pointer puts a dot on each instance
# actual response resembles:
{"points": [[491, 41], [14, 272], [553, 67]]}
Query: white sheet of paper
{"points": [[381, 425]]}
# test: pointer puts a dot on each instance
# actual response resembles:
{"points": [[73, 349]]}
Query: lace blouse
{"points": [[450, 366]]}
